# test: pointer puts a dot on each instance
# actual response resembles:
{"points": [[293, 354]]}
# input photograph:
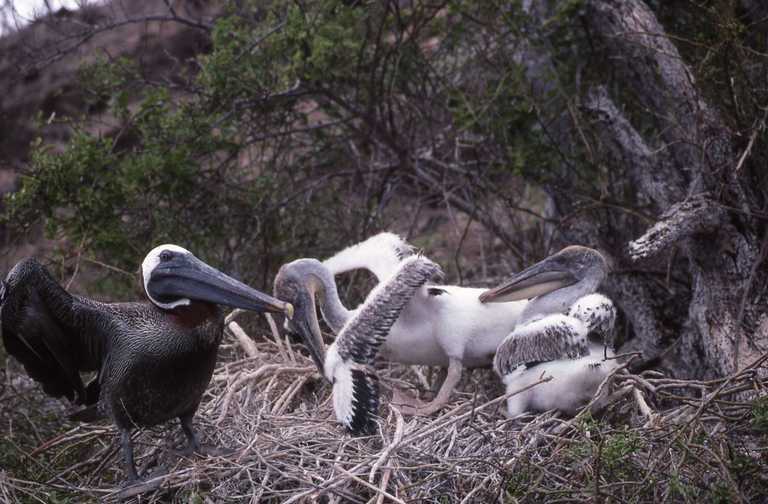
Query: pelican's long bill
{"points": [[305, 323], [297, 283], [185, 276], [541, 278]]}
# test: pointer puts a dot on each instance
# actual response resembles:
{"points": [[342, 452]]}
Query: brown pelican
{"points": [[154, 360], [350, 359], [443, 325], [565, 332]]}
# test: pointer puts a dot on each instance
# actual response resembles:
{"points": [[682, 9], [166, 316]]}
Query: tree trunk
{"points": [[690, 176]]}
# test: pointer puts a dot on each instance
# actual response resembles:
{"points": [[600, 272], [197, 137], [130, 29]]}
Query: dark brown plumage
{"points": [[153, 363]]}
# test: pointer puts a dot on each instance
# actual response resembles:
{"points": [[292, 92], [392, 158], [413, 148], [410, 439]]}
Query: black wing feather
{"points": [[365, 393], [42, 328], [360, 339], [552, 339]]}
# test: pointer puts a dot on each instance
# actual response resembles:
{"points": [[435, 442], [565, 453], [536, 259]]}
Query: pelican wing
{"points": [[599, 316], [552, 338], [355, 384], [46, 329], [380, 254], [360, 338]]}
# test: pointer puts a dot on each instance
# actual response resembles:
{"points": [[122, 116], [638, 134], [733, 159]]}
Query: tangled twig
{"points": [[640, 439]]}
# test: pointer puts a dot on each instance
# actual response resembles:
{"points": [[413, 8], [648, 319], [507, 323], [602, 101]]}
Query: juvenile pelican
{"points": [[443, 325], [380, 254], [565, 332], [154, 360], [350, 359]]}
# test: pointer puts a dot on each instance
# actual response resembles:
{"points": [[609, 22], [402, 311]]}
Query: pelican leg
{"points": [[133, 485], [194, 446], [186, 426], [127, 446], [439, 379], [452, 378]]}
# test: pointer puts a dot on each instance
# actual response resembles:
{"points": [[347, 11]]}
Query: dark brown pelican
{"points": [[349, 361], [154, 360], [565, 331]]}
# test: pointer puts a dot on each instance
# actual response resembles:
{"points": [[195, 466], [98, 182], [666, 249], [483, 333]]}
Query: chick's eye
{"points": [[166, 255]]}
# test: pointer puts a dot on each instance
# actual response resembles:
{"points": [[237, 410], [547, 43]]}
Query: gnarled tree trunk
{"points": [[695, 177]]}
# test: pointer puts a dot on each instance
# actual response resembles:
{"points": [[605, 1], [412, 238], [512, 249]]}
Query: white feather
{"points": [[378, 254], [374, 293], [574, 381], [594, 308], [150, 263], [431, 329], [340, 375], [455, 324]]}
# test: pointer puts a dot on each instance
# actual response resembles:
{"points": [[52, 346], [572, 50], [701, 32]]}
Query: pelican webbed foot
{"points": [[195, 447], [139, 486], [406, 402]]}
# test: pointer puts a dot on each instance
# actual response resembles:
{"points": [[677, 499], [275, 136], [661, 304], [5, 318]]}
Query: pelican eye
{"points": [[166, 255]]}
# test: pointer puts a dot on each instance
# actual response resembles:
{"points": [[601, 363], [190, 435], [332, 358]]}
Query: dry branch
{"points": [[698, 215], [291, 449]]}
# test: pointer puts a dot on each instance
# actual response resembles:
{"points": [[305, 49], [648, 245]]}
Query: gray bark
{"points": [[641, 300], [721, 247], [686, 175]]}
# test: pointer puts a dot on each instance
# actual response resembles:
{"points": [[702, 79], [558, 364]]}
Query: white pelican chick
{"points": [[442, 325], [565, 331], [349, 362]]}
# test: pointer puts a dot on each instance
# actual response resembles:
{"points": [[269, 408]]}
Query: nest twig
{"points": [[652, 439]]}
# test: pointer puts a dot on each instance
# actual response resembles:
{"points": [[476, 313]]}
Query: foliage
{"points": [[760, 414], [301, 125]]}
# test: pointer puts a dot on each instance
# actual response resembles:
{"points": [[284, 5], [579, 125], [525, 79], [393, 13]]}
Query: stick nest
{"points": [[648, 439]]}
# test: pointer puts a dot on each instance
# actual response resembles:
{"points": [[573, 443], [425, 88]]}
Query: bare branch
{"points": [[650, 170], [695, 216], [650, 64]]}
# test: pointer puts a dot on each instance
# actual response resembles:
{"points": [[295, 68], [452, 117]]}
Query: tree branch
{"points": [[650, 64], [695, 216], [625, 147]]}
